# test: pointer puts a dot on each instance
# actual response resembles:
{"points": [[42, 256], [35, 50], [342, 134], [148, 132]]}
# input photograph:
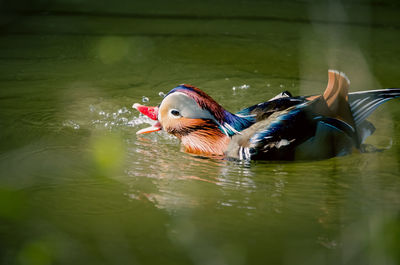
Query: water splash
{"points": [[242, 87], [103, 115], [71, 124], [122, 117]]}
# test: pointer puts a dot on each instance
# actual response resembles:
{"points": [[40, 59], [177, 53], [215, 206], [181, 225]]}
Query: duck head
{"points": [[203, 126]]}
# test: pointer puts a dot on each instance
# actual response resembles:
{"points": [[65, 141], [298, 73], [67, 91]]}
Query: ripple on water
{"points": [[39, 118]]}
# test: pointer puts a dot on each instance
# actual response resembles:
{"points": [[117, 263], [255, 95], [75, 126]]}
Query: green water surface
{"points": [[77, 186]]}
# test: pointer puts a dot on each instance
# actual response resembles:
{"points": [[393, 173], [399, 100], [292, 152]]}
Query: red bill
{"points": [[150, 112]]}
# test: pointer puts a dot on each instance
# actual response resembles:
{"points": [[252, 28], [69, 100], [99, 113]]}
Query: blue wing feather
{"points": [[317, 136]]}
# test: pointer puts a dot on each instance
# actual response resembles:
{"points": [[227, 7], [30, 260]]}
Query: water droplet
{"points": [[145, 99], [240, 87], [123, 110], [71, 124], [161, 94]]}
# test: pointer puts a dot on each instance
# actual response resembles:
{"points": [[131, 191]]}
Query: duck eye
{"points": [[175, 112]]}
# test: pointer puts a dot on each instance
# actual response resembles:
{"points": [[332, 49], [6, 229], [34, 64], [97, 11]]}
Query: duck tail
{"points": [[363, 103], [336, 96]]}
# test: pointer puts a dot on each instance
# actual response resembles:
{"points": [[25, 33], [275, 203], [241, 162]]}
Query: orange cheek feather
{"points": [[180, 126], [198, 136]]}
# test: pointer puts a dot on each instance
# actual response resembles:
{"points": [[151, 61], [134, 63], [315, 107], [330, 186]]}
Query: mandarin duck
{"points": [[282, 128]]}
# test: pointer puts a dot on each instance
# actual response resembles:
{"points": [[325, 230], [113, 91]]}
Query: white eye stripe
{"points": [[186, 106]]}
